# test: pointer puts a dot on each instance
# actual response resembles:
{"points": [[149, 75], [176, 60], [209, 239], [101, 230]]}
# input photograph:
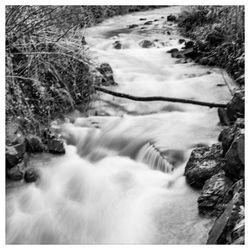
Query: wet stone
{"points": [[203, 163], [132, 26], [211, 200], [148, 23], [146, 44], [226, 137], [56, 146], [223, 118], [172, 50], [117, 45], [15, 154], [15, 173], [229, 227], [235, 156], [189, 44], [31, 175], [171, 18], [34, 144], [236, 107], [181, 41]]}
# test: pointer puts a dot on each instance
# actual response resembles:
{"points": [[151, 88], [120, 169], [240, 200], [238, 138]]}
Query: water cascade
{"points": [[121, 179]]}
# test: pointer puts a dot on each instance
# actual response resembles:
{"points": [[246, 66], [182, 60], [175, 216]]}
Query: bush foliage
{"points": [[222, 29], [48, 71]]}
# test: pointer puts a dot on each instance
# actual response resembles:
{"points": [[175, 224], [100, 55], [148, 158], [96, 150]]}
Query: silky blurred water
{"points": [[104, 189]]}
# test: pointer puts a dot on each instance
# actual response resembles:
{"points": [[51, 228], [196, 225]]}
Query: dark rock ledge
{"points": [[219, 171], [18, 151]]}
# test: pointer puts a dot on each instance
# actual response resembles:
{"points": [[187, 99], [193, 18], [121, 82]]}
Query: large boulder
{"points": [[211, 202], [148, 23], [229, 227], [236, 107], [235, 156], [15, 154], [34, 144], [203, 163], [227, 135], [16, 173], [146, 44], [226, 138]]}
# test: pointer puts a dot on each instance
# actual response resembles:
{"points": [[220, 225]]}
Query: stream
{"points": [[121, 180]]}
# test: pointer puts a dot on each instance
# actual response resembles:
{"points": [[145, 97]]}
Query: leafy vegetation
{"points": [[220, 31], [48, 71]]}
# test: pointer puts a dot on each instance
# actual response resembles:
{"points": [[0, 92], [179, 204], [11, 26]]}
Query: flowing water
{"points": [[121, 179]]}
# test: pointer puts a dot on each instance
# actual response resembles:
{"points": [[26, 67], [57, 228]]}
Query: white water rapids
{"points": [[105, 189]]}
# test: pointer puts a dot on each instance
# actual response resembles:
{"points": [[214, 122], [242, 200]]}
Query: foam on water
{"points": [[107, 188]]}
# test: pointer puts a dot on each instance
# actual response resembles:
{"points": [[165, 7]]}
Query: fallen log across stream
{"points": [[160, 98]]}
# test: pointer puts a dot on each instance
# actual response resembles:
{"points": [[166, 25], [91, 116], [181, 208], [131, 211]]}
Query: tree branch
{"points": [[160, 98]]}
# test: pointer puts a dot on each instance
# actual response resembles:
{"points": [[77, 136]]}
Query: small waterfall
{"points": [[152, 156], [98, 144], [119, 183]]}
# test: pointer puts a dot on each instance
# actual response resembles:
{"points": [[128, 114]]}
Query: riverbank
{"points": [[218, 35], [219, 32], [123, 167], [48, 74]]}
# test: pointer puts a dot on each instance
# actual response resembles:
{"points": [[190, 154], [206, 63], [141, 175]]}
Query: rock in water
{"points": [[146, 44], [148, 23], [16, 173], [229, 228], [117, 45], [107, 74], [56, 146], [189, 45], [34, 144], [171, 18], [236, 107], [132, 26], [182, 41], [203, 163], [222, 113], [235, 159], [226, 138], [15, 154], [172, 51], [31, 175], [211, 201], [105, 68]]}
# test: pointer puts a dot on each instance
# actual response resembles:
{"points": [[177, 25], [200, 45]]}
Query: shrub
{"points": [[48, 71], [222, 29]]}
